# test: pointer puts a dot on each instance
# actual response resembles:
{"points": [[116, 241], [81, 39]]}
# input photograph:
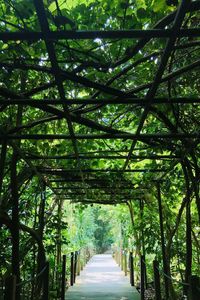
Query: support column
{"points": [[2, 164], [63, 285], [188, 271], [10, 288], [142, 239], [142, 277], [15, 223], [132, 281], [72, 269], [156, 280], [164, 258]]}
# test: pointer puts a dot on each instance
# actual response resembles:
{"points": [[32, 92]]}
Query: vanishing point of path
{"points": [[102, 279]]}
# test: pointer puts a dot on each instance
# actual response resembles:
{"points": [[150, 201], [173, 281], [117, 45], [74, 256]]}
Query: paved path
{"points": [[102, 279]]}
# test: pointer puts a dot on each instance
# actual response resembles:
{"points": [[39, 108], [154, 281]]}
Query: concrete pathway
{"points": [[102, 279]]}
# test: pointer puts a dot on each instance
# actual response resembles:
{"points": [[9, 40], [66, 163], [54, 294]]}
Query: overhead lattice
{"points": [[104, 108]]}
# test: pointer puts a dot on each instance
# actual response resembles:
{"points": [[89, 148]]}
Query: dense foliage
{"points": [[86, 189]]}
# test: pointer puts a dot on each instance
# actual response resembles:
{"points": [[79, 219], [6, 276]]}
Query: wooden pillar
{"points": [[125, 263], [142, 240], [72, 269], [63, 284], [79, 263], [2, 164], [10, 288], [188, 271], [117, 257], [15, 222], [75, 265], [142, 277], [121, 259], [82, 259], [156, 280], [194, 287], [46, 283], [132, 279], [41, 224], [164, 258]]}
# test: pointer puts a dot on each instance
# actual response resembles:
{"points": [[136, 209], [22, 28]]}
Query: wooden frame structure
{"points": [[74, 110]]}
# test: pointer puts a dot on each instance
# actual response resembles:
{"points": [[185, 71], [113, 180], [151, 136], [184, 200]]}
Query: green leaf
{"points": [[158, 5]]}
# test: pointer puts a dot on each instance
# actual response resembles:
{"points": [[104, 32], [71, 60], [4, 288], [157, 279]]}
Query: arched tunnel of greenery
{"points": [[99, 138]]}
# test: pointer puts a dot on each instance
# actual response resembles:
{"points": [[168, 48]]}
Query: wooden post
{"points": [[15, 263], [46, 283], [72, 269], [2, 163], [142, 239], [10, 288], [117, 257], [194, 288], [142, 277], [125, 263], [82, 260], [156, 280], [188, 270], [75, 265], [163, 242], [79, 263], [121, 259], [63, 283], [132, 279]]}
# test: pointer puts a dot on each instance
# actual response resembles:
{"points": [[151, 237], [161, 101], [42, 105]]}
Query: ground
{"points": [[102, 279]]}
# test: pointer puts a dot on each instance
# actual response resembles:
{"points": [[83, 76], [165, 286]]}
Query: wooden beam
{"points": [[105, 101], [93, 34], [89, 157], [130, 136], [71, 171]]}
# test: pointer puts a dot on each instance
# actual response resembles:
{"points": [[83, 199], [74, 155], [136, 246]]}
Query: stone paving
{"points": [[102, 279]]}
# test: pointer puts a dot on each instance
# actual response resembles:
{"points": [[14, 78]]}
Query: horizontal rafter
{"points": [[131, 136], [89, 157], [71, 171], [105, 101], [93, 34], [95, 188], [94, 201]]}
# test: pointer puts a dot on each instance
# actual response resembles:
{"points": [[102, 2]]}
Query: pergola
{"points": [[68, 135]]}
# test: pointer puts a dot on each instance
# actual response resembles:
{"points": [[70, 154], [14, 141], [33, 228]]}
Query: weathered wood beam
{"points": [[131, 136], [71, 171], [2, 164], [96, 201], [93, 34], [103, 193], [89, 157], [95, 188], [140, 101], [78, 179]]}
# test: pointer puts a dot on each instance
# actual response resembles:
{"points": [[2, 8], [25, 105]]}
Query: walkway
{"points": [[102, 279]]}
